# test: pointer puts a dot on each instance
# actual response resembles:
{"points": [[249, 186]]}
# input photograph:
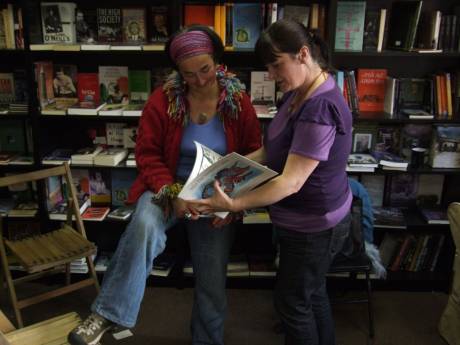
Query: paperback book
{"points": [[235, 173]]}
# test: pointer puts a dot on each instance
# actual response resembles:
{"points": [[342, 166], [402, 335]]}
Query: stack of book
{"points": [[110, 157], [85, 156], [361, 162], [390, 161]]}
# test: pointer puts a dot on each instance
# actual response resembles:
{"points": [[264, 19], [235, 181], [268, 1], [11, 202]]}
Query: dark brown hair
{"points": [[288, 36]]}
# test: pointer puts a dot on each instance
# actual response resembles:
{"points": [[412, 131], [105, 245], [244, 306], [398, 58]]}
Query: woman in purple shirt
{"points": [[308, 143]]}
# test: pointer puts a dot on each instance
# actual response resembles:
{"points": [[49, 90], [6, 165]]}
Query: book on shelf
{"points": [[114, 84], [114, 133], [133, 109], [349, 25], [417, 114], [129, 138], [6, 157], [261, 265], [95, 47], [235, 173], [390, 160], [109, 25], [85, 156], [100, 185], [58, 156], [359, 169], [445, 147], [159, 25], [389, 217], [247, 23], [121, 183], [131, 160], [163, 264], [66, 47], [362, 160], [21, 160], [24, 209], [6, 88], [58, 22], [58, 106], [402, 27], [110, 156], [125, 47], [95, 213], [59, 211], [256, 216], [262, 88], [434, 216], [121, 213], [110, 109], [86, 24], [85, 108], [134, 25], [371, 89]]}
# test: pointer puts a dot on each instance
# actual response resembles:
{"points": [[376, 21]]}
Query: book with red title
{"points": [[371, 89]]}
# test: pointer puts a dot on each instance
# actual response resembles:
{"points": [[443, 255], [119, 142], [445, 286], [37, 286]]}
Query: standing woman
{"points": [[308, 143], [200, 101]]}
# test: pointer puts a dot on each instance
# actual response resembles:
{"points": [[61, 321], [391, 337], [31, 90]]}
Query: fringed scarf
{"points": [[229, 103]]}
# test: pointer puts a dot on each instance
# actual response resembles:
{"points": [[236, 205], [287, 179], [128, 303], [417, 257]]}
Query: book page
{"points": [[236, 174]]}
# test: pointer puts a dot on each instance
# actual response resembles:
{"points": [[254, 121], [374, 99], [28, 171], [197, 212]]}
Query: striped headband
{"points": [[190, 43]]}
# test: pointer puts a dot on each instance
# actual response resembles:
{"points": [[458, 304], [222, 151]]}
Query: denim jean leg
{"points": [[304, 261], [124, 281], [210, 248]]}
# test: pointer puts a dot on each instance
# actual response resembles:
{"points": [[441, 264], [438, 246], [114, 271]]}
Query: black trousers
{"points": [[301, 298]]}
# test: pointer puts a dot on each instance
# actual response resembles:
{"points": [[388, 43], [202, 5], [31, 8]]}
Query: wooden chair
{"points": [[49, 332], [50, 252]]}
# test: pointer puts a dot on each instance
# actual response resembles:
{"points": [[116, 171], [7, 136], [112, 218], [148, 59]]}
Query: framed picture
{"points": [[362, 142]]}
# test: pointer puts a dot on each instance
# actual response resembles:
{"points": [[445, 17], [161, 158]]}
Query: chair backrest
{"points": [[62, 170]]}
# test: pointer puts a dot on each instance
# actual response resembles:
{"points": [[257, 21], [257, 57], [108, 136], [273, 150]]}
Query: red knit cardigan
{"points": [[159, 137]]}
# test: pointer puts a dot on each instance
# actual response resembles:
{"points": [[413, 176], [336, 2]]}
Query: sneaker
{"points": [[90, 331]]}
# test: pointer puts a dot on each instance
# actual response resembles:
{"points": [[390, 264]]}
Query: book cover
{"points": [[139, 85], [21, 89], [371, 89], [109, 25], [388, 139], [86, 25], [159, 25], [58, 22], [371, 29], [235, 173], [262, 88], [58, 156], [403, 23], [129, 137], [445, 147], [6, 88], [113, 83], [121, 213], [44, 79], [415, 93], [403, 190], [53, 191], [80, 179], [434, 216], [349, 26], [199, 14], [121, 183], [389, 217], [110, 156], [134, 30], [65, 81], [362, 160], [114, 133], [88, 88], [247, 22], [95, 213], [99, 187], [297, 13]]}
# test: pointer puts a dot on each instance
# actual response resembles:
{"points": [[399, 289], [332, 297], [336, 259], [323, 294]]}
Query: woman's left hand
{"points": [[218, 202]]}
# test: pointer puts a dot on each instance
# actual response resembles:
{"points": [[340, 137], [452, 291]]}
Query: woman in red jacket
{"points": [[200, 101]]}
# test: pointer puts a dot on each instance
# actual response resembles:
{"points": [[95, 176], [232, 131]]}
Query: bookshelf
{"points": [[45, 132]]}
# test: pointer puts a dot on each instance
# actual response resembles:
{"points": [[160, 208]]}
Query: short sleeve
{"points": [[313, 140]]}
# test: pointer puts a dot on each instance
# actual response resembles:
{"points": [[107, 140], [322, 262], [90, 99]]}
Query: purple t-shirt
{"points": [[320, 129]]}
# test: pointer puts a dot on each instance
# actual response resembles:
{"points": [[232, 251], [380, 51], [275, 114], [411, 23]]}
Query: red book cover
{"points": [[371, 89], [95, 213], [88, 88], [199, 14]]}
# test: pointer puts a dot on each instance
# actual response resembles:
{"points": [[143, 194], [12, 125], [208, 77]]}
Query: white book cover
{"points": [[262, 88], [58, 22], [113, 81], [236, 174]]}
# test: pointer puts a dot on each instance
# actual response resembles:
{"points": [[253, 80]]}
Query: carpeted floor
{"points": [[408, 318]]}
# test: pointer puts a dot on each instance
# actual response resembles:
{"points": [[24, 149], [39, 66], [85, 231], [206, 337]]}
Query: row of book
{"points": [[363, 26], [394, 217], [372, 90], [411, 252], [11, 27]]}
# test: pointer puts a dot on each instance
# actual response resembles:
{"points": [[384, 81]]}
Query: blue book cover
{"points": [[121, 182], [349, 28], [246, 25]]}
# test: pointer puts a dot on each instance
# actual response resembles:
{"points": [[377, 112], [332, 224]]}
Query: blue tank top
{"points": [[210, 134]]}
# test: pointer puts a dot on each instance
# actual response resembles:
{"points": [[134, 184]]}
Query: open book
{"points": [[236, 174]]}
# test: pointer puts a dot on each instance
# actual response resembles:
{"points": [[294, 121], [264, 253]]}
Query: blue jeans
{"points": [[144, 239], [301, 298]]}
